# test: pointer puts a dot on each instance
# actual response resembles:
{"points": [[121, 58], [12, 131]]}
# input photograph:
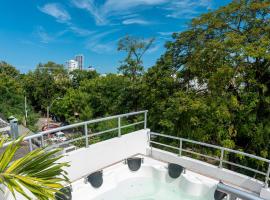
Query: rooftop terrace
{"points": [[208, 168]]}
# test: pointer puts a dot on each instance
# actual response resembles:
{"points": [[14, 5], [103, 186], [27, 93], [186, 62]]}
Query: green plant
{"points": [[37, 172]]}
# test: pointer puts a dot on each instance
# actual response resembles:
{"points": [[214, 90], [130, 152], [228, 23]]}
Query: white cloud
{"points": [[99, 36], [128, 16], [135, 21], [187, 8], [103, 48], [57, 11], [112, 8], [153, 49], [61, 15], [90, 6], [165, 33], [45, 37], [96, 43], [80, 31], [116, 5]]}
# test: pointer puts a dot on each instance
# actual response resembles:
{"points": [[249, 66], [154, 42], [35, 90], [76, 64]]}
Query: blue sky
{"points": [[40, 31]]}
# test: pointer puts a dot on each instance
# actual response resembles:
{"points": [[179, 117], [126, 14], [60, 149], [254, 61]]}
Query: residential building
{"points": [[79, 59], [72, 65]]}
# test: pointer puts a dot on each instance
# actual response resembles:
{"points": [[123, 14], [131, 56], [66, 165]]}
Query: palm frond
{"points": [[37, 172]]}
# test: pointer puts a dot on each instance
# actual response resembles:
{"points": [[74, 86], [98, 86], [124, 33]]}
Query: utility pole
{"points": [[25, 110], [48, 108]]}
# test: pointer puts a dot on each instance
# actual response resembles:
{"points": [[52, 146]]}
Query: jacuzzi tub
{"points": [[150, 182]]}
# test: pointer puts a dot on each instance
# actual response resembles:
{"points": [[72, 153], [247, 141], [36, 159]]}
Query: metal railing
{"points": [[220, 159], [182, 141], [39, 137]]}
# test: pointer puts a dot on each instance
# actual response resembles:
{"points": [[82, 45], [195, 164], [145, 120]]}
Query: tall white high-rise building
{"points": [[72, 65], [79, 59]]}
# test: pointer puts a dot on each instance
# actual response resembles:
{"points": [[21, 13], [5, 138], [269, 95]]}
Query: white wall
{"points": [[203, 168], [100, 155], [4, 193], [97, 156]]}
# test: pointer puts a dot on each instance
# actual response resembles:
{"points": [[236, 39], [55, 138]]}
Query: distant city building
{"points": [[91, 69], [79, 59], [72, 65]]}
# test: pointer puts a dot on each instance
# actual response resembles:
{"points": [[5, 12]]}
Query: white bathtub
{"points": [[150, 182]]}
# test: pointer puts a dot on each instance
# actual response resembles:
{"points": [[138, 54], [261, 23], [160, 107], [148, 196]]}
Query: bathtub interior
{"points": [[150, 182]]}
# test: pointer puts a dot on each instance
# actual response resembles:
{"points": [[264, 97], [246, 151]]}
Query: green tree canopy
{"points": [[94, 98], [8, 70], [45, 83], [135, 49], [12, 100], [77, 76], [212, 83]]}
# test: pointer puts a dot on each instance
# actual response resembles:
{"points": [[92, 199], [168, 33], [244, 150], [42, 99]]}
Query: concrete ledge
{"points": [[203, 168], [265, 193], [97, 156]]}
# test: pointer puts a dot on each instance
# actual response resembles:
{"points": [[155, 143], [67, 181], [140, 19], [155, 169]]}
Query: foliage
{"points": [[135, 49], [8, 70], [211, 84], [42, 180], [230, 99], [46, 82], [77, 76], [73, 102], [12, 98], [12, 95], [94, 98], [132, 67]]}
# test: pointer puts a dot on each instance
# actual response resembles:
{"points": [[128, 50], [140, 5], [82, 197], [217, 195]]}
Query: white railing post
{"points": [[149, 142], [145, 119], [42, 141], [221, 158], [119, 126], [30, 145], [39, 134], [180, 146], [86, 135], [267, 177]]}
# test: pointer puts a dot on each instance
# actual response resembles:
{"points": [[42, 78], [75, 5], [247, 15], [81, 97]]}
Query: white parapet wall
{"points": [[227, 176], [97, 156]]}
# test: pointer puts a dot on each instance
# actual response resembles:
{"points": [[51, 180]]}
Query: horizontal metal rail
{"points": [[102, 132], [65, 142], [221, 159], [184, 150], [244, 167], [92, 135], [199, 154], [213, 146], [238, 193], [165, 145], [85, 123], [129, 125]]}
